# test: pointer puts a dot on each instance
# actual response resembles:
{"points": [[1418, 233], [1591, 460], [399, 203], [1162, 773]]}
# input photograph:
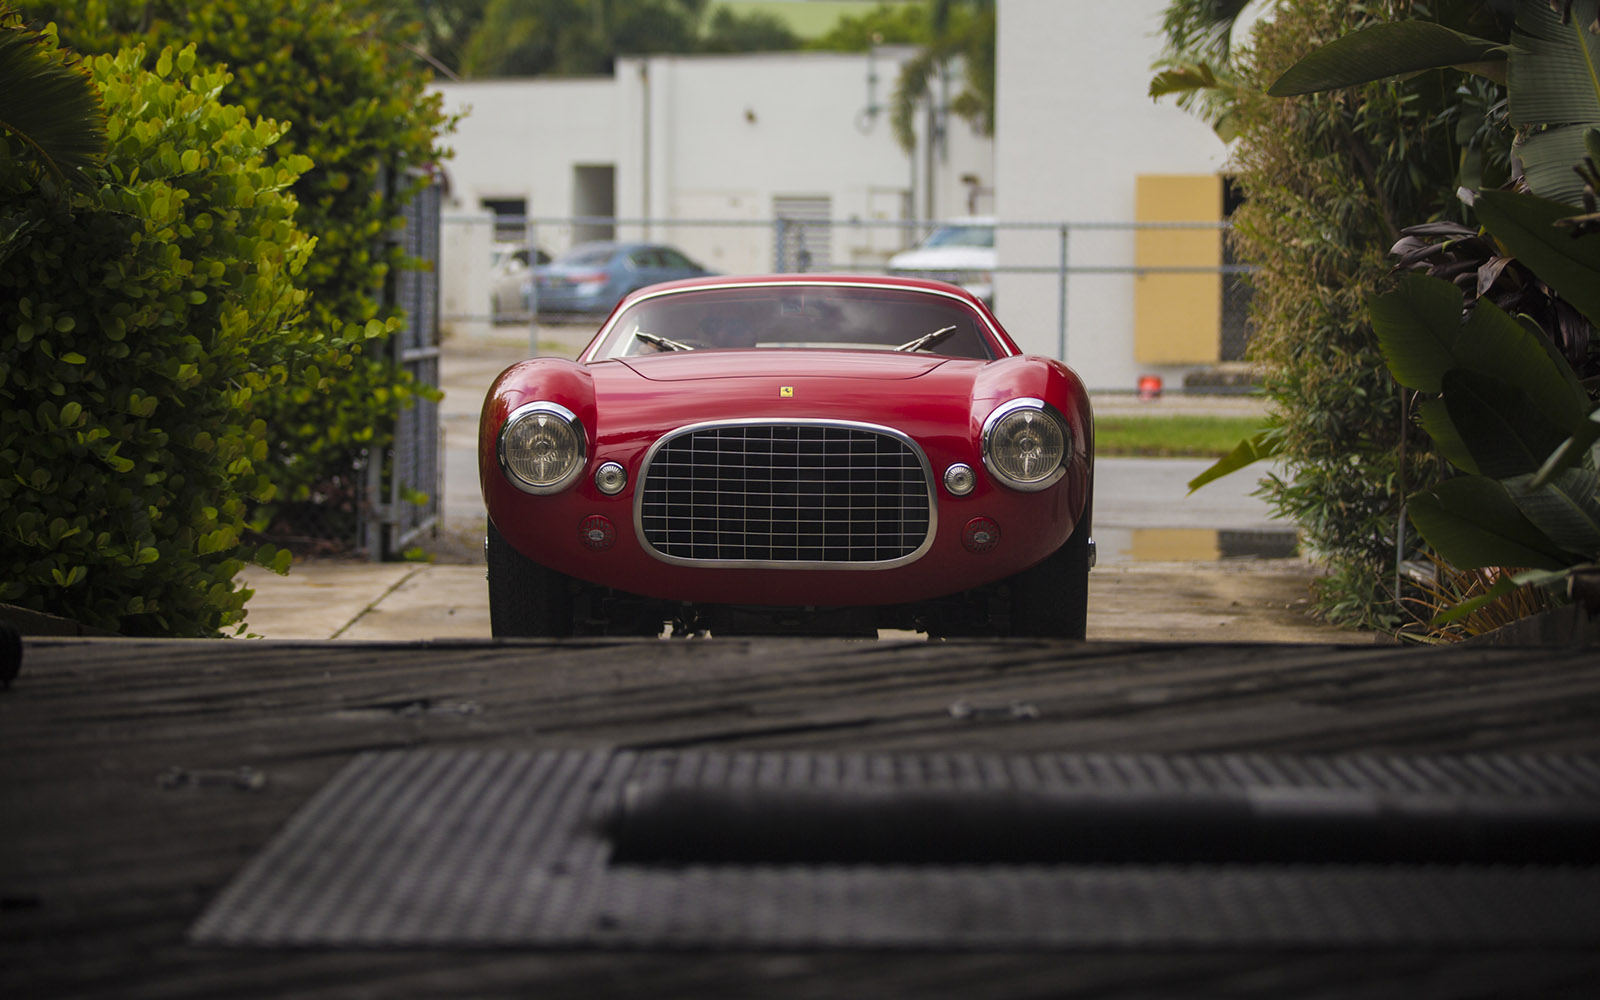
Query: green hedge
{"points": [[150, 317], [354, 97]]}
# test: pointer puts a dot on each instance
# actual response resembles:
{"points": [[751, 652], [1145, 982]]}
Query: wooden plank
{"points": [[102, 868]]}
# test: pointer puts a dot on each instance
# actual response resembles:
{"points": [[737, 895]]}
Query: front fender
{"points": [[554, 380], [1056, 384]]}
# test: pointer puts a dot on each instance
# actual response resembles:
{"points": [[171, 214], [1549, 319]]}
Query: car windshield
{"points": [[961, 236], [799, 316]]}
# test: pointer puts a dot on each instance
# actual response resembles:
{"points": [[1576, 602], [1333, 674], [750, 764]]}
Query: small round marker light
{"points": [[959, 479], [597, 533], [610, 478], [981, 534]]}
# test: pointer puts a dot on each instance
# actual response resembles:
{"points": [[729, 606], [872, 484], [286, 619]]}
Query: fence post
{"points": [[529, 240], [1061, 305]]}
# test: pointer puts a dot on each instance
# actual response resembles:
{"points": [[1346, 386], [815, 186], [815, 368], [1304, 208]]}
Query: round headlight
{"points": [[542, 447], [1025, 445]]}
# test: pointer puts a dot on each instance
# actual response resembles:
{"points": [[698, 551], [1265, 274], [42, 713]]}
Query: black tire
{"points": [[1052, 599], [525, 598]]}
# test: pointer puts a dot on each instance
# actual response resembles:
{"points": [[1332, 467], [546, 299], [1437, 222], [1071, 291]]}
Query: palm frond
{"points": [[49, 103]]}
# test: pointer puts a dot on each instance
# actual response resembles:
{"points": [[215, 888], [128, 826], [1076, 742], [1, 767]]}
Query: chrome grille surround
{"points": [[786, 494]]}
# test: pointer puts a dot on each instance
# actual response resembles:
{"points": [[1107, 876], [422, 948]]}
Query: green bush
{"points": [[1331, 179], [354, 98], [145, 321]]}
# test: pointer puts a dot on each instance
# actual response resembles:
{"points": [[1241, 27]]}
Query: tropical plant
{"points": [[50, 110], [1330, 180], [1501, 404], [442, 28], [1510, 400], [585, 37], [1548, 61], [961, 30], [1197, 67], [885, 24]]}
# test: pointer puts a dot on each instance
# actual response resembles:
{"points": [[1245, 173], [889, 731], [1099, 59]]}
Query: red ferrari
{"points": [[790, 454]]}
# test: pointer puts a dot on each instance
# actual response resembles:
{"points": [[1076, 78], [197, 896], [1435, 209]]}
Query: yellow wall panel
{"points": [[1178, 317], [1173, 545]]}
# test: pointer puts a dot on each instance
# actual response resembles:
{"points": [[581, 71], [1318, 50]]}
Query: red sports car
{"points": [[790, 454]]}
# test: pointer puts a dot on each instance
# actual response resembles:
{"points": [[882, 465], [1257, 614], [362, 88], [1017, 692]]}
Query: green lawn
{"points": [[1171, 436]]}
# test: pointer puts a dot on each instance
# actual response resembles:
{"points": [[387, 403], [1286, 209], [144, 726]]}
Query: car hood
{"points": [[699, 365]]}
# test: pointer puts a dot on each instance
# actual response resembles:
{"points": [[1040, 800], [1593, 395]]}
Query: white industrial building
{"points": [[712, 149], [1077, 140]]}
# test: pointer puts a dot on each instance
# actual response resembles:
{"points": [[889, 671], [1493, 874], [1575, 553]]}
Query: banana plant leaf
{"points": [[1499, 425], [1389, 50], [1418, 325], [1473, 523], [1565, 509], [51, 106], [1247, 452], [1435, 418], [1526, 224], [1422, 336], [1553, 93], [1571, 452]]}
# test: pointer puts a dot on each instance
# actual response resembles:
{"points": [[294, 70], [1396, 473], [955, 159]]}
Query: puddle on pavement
{"points": [[1122, 545]]}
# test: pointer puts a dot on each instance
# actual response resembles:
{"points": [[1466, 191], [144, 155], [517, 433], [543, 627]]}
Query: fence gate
{"points": [[405, 486]]}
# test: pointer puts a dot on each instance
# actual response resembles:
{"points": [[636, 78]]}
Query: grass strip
{"points": [[1177, 436]]}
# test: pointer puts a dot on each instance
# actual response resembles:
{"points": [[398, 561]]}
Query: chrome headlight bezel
{"points": [[575, 462], [1004, 416]]}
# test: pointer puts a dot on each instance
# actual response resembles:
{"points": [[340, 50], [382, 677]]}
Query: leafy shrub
{"points": [[1331, 180], [1508, 392], [355, 102], [145, 320]]}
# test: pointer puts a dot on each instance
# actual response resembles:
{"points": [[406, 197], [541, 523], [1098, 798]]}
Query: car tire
{"points": [[1051, 600], [525, 598]]}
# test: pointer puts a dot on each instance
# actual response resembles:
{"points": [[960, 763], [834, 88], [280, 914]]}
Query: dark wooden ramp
{"points": [[140, 778]]}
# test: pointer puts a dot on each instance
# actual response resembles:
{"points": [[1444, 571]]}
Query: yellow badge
{"points": [[786, 391]]}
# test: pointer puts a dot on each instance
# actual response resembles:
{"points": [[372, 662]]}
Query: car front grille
{"points": [[791, 494]]}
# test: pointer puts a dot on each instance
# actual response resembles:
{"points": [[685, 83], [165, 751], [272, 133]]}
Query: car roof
{"points": [[808, 278]]}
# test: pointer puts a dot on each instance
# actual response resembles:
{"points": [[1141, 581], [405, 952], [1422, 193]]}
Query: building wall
{"points": [[518, 139], [713, 138], [1075, 130]]}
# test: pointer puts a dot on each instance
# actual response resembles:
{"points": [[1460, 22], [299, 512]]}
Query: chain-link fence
{"points": [[386, 496], [489, 261], [403, 492]]}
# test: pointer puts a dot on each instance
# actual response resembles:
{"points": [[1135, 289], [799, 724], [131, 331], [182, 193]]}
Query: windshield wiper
{"points": [[927, 340], [665, 343]]}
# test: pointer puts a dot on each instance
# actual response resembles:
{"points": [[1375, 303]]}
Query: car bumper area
{"points": [[974, 541]]}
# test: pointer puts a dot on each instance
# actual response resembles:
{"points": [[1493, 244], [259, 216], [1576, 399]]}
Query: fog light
{"points": [[981, 534], [597, 533], [610, 478], [959, 479]]}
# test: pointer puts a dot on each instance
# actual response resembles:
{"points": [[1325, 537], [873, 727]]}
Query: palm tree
{"points": [[956, 28], [1197, 66], [50, 110]]}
